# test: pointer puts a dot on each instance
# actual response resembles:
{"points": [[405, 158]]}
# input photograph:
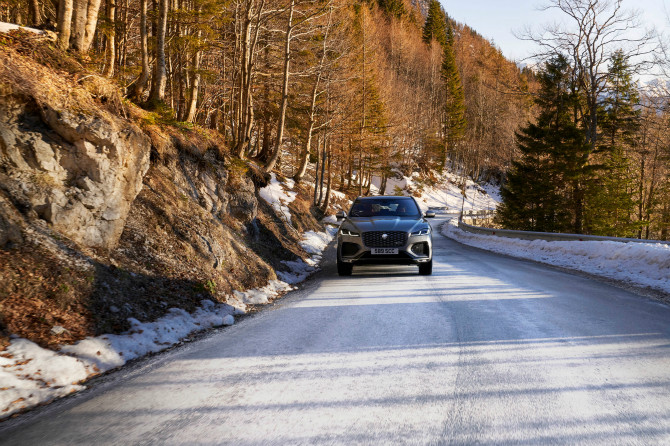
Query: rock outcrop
{"points": [[78, 172]]}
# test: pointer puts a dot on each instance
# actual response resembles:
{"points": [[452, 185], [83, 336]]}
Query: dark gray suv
{"points": [[386, 229]]}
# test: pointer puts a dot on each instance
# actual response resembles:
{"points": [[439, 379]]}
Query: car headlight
{"points": [[349, 233], [424, 231]]}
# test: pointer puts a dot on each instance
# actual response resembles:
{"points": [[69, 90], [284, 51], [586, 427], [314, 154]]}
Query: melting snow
{"points": [[278, 197]]}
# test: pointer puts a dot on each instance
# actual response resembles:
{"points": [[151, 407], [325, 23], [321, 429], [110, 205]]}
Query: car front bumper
{"points": [[417, 250]]}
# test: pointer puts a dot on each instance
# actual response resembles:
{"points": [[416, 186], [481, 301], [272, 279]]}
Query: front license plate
{"points": [[385, 250]]}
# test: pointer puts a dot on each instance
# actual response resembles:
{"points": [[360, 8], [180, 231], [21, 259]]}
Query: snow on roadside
{"points": [[31, 375], [636, 263]]}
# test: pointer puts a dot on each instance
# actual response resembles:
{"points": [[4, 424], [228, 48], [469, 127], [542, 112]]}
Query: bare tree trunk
{"points": [[641, 200], [244, 109], [78, 24], [35, 12], [195, 83], [362, 142], [193, 93], [140, 84], [91, 23], [266, 143], [317, 187], [665, 221], [304, 157], [64, 27], [324, 160], [326, 201], [284, 92], [350, 170], [85, 22], [159, 80], [382, 186], [110, 36]]}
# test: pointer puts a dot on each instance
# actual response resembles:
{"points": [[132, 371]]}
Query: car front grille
{"points": [[393, 239]]}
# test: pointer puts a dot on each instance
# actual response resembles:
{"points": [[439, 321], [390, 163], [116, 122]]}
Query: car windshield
{"points": [[385, 207]]}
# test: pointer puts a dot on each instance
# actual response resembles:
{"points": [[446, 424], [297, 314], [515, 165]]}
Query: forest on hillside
{"points": [[340, 91], [353, 89]]}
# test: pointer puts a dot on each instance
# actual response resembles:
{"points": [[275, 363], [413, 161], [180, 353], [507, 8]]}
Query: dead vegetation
{"points": [[197, 230]]}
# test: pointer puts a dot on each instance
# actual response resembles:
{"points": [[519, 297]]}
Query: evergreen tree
{"points": [[395, 8], [545, 183], [611, 202], [454, 121], [436, 24]]}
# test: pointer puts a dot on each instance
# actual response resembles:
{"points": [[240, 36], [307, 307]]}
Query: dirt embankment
{"points": [[108, 211]]}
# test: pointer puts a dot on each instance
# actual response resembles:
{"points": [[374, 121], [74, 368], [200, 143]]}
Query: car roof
{"points": [[376, 197]]}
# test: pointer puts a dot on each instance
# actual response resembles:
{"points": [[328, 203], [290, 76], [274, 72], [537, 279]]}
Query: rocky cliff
{"points": [[108, 211]]}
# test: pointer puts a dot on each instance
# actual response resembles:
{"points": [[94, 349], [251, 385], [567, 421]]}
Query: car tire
{"points": [[344, 269], [426, 269]]}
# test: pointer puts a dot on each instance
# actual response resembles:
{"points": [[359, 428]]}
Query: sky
{"points": [[497, 19]]}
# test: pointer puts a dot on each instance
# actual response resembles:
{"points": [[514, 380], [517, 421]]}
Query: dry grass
{"points": [[162, 259]]}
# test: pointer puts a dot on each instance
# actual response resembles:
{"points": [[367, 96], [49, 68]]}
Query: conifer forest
{"points": [[336, 92]]}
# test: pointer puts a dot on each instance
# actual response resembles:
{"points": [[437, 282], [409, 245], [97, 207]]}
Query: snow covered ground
{"points": [[446, 193], [640, 264], [31, 375]]}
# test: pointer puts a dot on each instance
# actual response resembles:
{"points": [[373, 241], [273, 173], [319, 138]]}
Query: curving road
{"points": [[488, 350]]}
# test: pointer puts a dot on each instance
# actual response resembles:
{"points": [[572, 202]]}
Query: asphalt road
{"points": [[487, 350]]}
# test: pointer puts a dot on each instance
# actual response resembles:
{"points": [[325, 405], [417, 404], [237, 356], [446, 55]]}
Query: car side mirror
{"points": [[430, 214], [341, 215]]}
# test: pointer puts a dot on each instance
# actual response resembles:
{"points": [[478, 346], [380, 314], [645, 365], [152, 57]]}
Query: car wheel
{"points": [[344, 269], [426, 269]]}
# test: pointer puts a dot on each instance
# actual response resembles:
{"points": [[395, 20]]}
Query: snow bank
{"points": [[260, 296], [636, 263], [31, 375]]}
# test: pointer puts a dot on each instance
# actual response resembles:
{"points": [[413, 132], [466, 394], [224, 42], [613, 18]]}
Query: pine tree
{"points": [[436, 24], [454, 122], [544, 185], [395, 8], [611, 203]]}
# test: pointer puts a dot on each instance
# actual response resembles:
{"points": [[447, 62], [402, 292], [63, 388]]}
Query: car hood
{"points": [[385, 224]]}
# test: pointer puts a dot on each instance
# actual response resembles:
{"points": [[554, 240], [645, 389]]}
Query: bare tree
{"points": [[85, 18], [35, 12], [64, 26], [159, 80], [596, 29], [110, 39], [137, 88], [289, 36], [311, 118]]}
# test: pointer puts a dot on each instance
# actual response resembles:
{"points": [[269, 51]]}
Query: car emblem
{"points": [[385, 236]]}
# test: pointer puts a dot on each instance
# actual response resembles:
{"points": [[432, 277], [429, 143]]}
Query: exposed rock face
{"points": [[80, 173], [243, 201]]}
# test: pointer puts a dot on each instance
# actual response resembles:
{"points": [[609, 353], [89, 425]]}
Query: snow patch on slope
{"points": [[446, 193], [279, 195]]}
